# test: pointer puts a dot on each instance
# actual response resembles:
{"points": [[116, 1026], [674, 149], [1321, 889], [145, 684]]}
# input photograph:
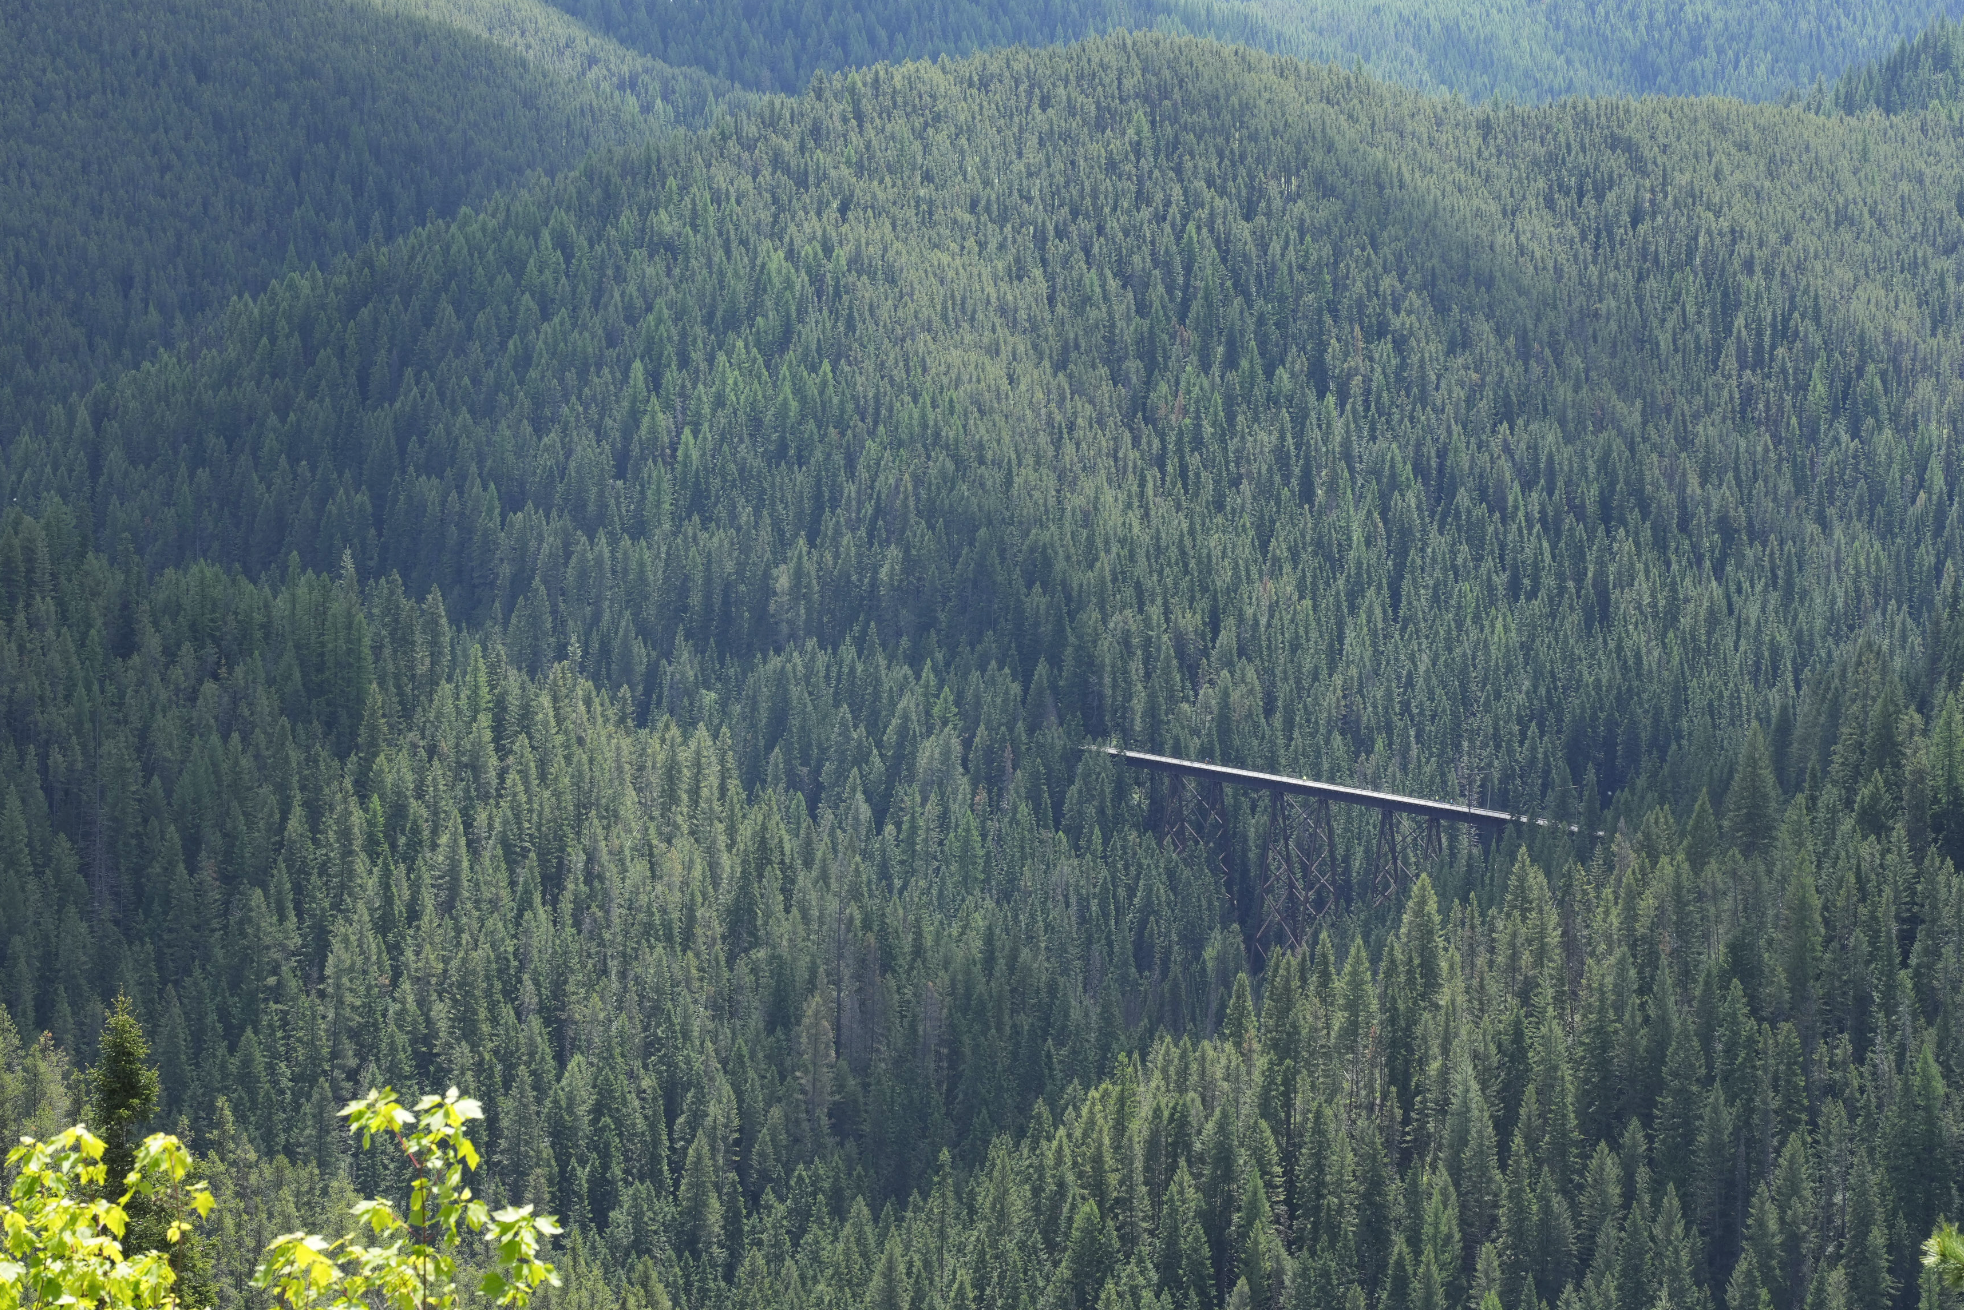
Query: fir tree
{"points": [[1752, 814], [124, 1090]]}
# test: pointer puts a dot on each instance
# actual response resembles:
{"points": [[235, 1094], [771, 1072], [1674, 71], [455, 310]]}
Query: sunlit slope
{"points": [[1457, 418], [722, 552], [160, 156]]}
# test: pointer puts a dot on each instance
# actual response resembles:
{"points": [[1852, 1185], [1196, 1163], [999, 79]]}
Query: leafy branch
{"points": [[63, 1238], [412, 1264]]}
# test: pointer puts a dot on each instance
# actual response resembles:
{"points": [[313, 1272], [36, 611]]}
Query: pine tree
{"points": [[1601, 1200], [1745, 1291], [1258, 1256], [1325, 1186], [1917, 1148], [1673, 1259], [1680, 1103], [1238, 1028], [1599, 1084], [1518, 1235], [1399, 1277], [1089, 1257], [1701, 835], [1870, 1286], [1186, 1269], [1486, 1276], [123, 1090], [1752, 813], [1793, 1212], [123, 1093], [1554, 1239], [1315, 1284], [1944, 754], [1561, 1145], [1635, 1288], [890, 1290], [1428, 1289], [1377, 1208], [1419, 941], [1715, 1159], [699, 1202], [1470, 1156], [1801, 939], [1442, 1243]]}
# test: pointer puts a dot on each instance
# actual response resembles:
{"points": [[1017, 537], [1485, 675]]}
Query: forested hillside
{"points": [[158, 157], [1517, 50], [1513, 49], [494, 880], [719, 1035], [626, 651], [1921, 74], [910, 371]]}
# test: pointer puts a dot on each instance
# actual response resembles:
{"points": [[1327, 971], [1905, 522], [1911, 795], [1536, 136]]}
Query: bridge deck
{"points": [[1382, 800]]}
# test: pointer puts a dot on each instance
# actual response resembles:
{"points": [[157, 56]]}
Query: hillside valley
{"points": [[618, 633]]}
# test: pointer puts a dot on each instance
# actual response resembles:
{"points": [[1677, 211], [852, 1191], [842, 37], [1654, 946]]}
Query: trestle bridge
{"points": [[1300, 882]]}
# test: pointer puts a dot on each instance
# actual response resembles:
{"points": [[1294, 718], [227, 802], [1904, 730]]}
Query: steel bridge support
{"points": [[1392, 865], [1300, 883], [1299, 886]]}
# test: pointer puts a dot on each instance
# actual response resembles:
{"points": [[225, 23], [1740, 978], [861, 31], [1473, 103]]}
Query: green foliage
{"points": [[413, 1265], [1943, 1254], [59, 1235], [124, 1094], [774, 45], [123, 1087], [628, 650], [602, 470]]}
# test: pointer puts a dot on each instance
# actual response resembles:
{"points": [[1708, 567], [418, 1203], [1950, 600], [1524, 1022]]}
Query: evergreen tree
{"points": [[1918, 1148], [1752, 813], [124, 1091], [1802, 955], [1089, 1257], [1744, 1290], [1701, 835], [1870, 1286], [699, 1203], [890, 1290], [1679, 1106]]}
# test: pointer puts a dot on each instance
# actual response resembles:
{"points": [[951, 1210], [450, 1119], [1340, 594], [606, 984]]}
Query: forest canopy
{"points": [[625, 649], [1515, 50], [158, 157]]}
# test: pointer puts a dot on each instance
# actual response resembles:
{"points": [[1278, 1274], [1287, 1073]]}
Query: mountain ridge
{"points": [[1513, 50], [161, 158]]}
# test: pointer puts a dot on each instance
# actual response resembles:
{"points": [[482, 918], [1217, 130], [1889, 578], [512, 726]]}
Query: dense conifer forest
{"points": [[1922, 74], [1514, 49], [613, 622], [158, 157]]}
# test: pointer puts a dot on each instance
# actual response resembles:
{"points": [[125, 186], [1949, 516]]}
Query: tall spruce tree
{"points": [[124, 1092]]}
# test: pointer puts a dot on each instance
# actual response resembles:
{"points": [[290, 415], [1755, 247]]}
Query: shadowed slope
{"points": [[158, 157]]}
